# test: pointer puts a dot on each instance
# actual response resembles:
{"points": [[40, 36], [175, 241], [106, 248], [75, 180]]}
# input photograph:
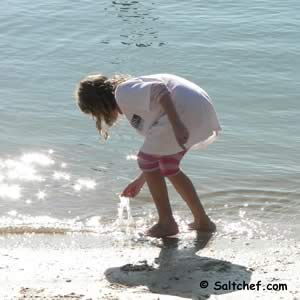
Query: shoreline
{"points": [[84, 266]]}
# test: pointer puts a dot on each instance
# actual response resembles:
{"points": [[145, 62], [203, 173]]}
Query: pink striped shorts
{"points": [[167, 164]]}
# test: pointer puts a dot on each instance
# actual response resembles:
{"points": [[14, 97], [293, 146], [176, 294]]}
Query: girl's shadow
{"points": [[180, 272]]}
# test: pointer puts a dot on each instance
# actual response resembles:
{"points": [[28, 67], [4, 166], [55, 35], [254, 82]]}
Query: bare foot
{"points": [[160, 230], [208, 226]]}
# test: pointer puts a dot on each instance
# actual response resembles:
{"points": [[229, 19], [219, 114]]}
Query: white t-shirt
{"points": [[138, 99]]}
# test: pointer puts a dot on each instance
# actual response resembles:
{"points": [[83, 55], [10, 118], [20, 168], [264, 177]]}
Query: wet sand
{"points": [[85, 266]]}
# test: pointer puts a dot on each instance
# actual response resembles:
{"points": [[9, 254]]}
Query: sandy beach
{"points": [[86, 266]]}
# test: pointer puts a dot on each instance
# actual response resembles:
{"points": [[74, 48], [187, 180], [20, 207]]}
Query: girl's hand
{"points": [[181, 134], [134, 187]]}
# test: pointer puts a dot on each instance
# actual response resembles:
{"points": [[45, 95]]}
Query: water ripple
{"points": [[139, 24]]}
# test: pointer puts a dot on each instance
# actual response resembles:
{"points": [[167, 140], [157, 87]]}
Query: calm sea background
{"points": [[56, 174]]}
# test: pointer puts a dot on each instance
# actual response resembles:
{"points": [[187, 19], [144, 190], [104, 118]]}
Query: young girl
{"points": [[174, 115]]}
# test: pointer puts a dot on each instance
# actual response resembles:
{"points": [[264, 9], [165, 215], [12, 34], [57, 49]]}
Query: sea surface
{"points": [[58, 176]]}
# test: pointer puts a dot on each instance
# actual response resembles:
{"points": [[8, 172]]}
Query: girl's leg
{"points": [[185, 188], [166, 225]]}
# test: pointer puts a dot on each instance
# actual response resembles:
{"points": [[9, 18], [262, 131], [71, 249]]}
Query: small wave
{"points": [[251, 192], [254, 213], [271, 201], [16, 223], [115, 231], [139, 23], [39, 230]]}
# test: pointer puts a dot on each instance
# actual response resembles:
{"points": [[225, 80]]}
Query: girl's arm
{"points": [[141, 178], [180, 131], [134, 187]]}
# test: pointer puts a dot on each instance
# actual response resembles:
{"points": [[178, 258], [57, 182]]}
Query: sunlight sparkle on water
{"points": [[61, 175], [242, 213], [12, 191], [41, 195], [22, 171], [239, 228], [37, 177], [77, 187], [131, 157], [23, 168], [37, 158], [84, 183], [12, 213]]}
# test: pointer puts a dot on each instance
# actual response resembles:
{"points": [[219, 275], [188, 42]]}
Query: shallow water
{"points": [[56, 176]]}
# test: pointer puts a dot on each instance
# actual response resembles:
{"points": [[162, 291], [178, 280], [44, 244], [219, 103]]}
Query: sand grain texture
{"points": [[83, 267]]}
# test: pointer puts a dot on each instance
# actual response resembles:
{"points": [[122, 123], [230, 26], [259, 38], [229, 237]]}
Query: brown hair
{"points": [[95, 96]]}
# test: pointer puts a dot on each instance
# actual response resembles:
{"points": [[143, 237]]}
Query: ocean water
{"points": [[56, 175]]}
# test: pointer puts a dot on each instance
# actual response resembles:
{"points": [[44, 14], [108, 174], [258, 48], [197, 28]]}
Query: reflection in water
{"points": [[139, 23]]}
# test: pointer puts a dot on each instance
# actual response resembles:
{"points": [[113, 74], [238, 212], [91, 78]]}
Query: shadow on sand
{"points": [[179, 272]]}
